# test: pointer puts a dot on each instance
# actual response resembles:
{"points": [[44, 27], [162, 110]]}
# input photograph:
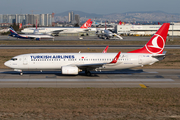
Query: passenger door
{"points": [[25, 61]]}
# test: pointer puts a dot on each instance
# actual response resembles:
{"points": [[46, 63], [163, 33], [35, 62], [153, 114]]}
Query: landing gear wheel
{"points": [[88, 73]]}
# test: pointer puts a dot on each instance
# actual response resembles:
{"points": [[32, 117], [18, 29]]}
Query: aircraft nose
{"points": [[7, 63]]}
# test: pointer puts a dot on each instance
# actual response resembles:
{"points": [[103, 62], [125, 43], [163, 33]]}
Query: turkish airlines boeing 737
{"points": [[73, 63]]}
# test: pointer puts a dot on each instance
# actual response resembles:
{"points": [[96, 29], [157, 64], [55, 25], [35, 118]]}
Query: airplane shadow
{"points": [[93, 73]]}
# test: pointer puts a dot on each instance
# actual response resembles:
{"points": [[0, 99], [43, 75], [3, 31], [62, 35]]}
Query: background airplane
{"points": [[95, 24], [107, 34], [4, 30], [36, 31], [29, 36], [57, 30], [73, 63]]}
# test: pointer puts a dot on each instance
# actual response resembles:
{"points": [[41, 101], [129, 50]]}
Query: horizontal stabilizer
{"points": [[159, 55]]}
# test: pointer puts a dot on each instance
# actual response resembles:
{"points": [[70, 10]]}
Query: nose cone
{"points": [[7, 63]]}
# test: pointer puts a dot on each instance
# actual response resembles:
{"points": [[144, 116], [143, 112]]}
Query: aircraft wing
{"points": [[117, 36], [70, 31], [90, 66], [57, 31], [32, 37], [97, 65], [86, 30]]}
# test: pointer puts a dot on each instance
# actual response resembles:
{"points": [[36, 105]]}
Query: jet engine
{"points": [[70, 70]]}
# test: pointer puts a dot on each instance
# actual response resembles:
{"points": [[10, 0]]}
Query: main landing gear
{"points": [[88, 73]]}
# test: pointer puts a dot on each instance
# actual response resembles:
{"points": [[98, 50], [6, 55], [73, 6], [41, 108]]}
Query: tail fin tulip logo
{"points": [[156, 45]]}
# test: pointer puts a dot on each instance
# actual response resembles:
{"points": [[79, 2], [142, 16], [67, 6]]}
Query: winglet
{"points": [[116, 58], [105, 50]]}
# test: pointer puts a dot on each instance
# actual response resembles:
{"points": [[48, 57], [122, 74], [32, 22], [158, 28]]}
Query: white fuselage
{"points": [[41, 61], [108, 33], [37, 36], [52, 29]]}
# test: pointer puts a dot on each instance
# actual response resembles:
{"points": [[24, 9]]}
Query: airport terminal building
{"points": [[142, 30]]}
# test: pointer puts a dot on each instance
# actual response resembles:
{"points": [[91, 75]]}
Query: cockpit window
{"points": [[14, 59]]}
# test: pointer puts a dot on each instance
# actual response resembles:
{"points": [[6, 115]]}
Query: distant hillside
{"points": [[128, 16], [144, 16], [82, 14]]}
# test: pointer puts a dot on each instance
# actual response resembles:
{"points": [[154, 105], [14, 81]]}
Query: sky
{"points": [[89, 6]]}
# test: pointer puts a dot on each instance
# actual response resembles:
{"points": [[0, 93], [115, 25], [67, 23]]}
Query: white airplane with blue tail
{"points": [[29, 36]]}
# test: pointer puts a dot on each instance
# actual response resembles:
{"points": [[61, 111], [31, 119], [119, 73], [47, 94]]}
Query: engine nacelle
{"points": [[70, 70]]}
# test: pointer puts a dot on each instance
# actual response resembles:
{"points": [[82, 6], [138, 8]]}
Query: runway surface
{"points": [[85, 38], [151, 78], [78, 46]]}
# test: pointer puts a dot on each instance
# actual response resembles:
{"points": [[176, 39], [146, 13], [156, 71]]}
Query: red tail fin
{"points": [[90, 24], [20, 25], [120, 23], [156, 43], [86, 24]]}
